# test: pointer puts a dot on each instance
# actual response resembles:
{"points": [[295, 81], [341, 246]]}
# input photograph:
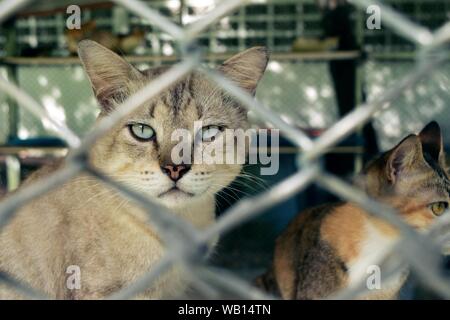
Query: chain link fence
{"points": [[291, 87], [185, 244], [300, 91]]}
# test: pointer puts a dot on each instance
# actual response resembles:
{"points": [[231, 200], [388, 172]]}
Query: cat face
{"points": [[414, 170], [138, 152]]}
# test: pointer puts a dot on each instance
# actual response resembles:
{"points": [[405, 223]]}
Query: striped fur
{"points": [[85, 223]]}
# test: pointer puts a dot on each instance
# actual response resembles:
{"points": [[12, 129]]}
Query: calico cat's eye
{"points": [[438, 208], [142, 132], [209, 133]]}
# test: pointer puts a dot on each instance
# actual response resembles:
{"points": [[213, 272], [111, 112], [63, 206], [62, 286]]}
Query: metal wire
{"points": [[22, 97], [185, 244]]}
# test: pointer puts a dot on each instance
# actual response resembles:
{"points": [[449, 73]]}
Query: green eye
{"points": [[142, 132], [438, 208], [209, 133]]}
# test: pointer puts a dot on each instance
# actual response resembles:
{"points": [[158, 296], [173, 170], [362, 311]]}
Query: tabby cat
{"points": [[330, 247], [86, 224]]}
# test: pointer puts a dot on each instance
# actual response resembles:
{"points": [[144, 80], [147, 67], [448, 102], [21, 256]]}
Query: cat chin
{"points": [[176, 195], [176, 198], [176, 192]]}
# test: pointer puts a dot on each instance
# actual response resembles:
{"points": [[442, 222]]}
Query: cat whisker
{"points": [[218, 195], [256, 180], [228, 189]]}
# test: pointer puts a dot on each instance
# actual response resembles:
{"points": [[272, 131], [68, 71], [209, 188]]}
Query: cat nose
{"points": [[175, 172]]}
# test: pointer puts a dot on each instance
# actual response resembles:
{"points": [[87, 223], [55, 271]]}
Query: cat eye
{"points": [[438, 208], [141, 132], [209, 133]]}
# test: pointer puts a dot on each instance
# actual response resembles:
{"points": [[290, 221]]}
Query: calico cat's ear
{"points": [[109, 73], [404, 157], [432, 142], [247, 67]]}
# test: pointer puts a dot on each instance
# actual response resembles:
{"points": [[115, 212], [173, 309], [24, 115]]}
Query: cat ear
{"points": [[432, 142], [247, 67], [405, 156], [109, 73]]}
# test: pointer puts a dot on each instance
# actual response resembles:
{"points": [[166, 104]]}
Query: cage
{"points": [[336, 107]]}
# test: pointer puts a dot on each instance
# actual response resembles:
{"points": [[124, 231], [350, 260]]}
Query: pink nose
{"points": [[175, 172]]}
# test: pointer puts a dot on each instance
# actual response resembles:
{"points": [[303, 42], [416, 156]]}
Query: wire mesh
{"points": [[300, 91], [185, 244]]}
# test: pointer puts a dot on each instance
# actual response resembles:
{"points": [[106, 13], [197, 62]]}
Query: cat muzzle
{"points": [[175, 172]]}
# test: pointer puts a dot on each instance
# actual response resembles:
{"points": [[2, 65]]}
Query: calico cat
{"points": [[86, 224], [330, 247]]}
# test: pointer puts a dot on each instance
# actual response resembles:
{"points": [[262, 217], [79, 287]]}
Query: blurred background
{"points": [[325, 61]]}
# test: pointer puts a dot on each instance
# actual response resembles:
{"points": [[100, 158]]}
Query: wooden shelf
{"points": [[276, 56], [28, 151]]}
